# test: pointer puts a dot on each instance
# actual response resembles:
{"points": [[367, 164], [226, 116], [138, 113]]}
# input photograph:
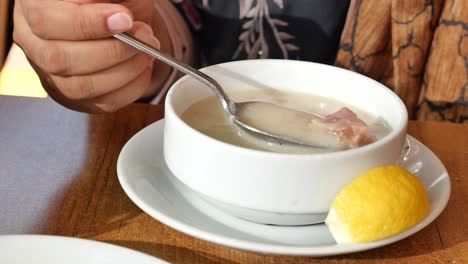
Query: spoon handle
{"points": [[173, 62]]}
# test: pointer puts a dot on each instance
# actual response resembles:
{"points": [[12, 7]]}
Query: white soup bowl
{"points": [[274, 188]]}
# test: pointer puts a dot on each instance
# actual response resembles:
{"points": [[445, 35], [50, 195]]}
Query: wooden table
{"points": [[58, 176]]}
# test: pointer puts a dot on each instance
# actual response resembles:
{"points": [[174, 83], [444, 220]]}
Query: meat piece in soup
{"points": [[348, 127]]}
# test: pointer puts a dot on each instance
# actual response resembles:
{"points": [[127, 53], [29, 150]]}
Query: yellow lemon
{"points": [[379, 203]]}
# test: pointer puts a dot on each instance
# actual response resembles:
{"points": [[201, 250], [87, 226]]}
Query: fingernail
{"points": [[120, 22]]}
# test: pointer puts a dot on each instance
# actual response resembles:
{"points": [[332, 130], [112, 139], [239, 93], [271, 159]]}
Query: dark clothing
{"points": [[294, 29], [9, 37], [9, 31]]}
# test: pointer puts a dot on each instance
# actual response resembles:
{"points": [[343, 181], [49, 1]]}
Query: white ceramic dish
{"points": [[275, 188], [27, 249], [146, 179]]}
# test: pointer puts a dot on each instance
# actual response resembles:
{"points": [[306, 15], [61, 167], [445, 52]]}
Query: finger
{"points": [[60, 20], [90, 1], [89, 86], [125, 95], [20, 25], [141, 9], [86, 57], [64, 58]]}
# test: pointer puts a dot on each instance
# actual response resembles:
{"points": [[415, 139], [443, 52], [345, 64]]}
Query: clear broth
{"points": [[208, 117]]}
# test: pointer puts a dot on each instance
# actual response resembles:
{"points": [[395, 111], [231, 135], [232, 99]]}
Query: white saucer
{"points": [[26, 249], [150, 185]]}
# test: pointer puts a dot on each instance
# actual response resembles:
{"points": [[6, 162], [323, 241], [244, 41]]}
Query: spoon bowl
{"points": [[247, 117]]}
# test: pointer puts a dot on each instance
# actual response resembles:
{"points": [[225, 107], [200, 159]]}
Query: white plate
{"points": [[26, 249], [148, 182]]}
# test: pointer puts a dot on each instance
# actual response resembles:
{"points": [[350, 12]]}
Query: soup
{"points": [[208, 117]]}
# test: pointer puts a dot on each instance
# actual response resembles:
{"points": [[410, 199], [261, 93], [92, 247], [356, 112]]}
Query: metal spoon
{"points": [[231, 108]]}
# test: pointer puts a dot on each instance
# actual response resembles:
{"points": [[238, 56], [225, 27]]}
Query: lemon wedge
{"points": [[379, 203]]}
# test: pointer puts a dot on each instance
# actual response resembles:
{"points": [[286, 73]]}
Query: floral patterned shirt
{"points": [[227, 30]]}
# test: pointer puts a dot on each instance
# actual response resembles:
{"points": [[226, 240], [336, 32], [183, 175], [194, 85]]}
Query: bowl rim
{"points": [[396, 132]]}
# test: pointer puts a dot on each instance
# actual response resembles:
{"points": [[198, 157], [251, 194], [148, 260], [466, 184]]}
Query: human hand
{"points": [[81, 66]]}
